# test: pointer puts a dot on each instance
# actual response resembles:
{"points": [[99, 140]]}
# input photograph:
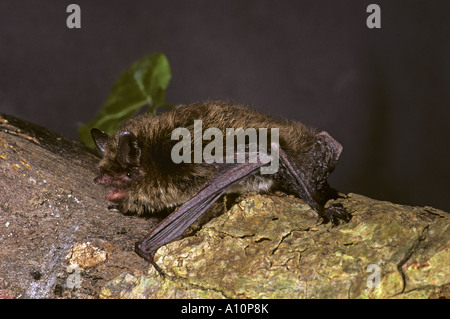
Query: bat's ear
{"points": [[100, 139], [332, 143], [128, 150]]}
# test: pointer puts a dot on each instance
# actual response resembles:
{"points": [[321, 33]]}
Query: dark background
{"points": [[383, 93]]}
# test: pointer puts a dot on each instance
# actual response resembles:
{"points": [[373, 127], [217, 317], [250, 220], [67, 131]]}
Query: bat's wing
{"points": [[227, 175]]}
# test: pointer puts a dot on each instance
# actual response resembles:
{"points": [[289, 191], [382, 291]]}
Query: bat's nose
{"points": [[102, 179]]}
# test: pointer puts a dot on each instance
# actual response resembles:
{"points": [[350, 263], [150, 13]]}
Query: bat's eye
{"points": [[128, 174]]}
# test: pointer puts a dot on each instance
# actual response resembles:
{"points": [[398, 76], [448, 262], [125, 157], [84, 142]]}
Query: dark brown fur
{"points": [[160, 183]]}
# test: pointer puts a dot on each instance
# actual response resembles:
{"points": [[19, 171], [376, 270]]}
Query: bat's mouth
{"points": [[116, 195], [119, 181]]}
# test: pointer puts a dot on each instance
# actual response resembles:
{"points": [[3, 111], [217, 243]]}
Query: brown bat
{"points": [[138, 162]]}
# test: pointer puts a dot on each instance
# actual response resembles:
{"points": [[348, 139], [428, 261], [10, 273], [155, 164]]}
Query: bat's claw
{"points": [[139, 248], [334, 214], [114, 208]]}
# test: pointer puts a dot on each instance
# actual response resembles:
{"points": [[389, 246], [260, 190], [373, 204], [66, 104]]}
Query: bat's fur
{"points": [[157, 183]]}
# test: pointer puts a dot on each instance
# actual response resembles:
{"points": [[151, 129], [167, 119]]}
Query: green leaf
{"points": [[143, 83]]}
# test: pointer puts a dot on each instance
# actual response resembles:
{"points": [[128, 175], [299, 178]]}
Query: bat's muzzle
{"points": [[104, 179]]}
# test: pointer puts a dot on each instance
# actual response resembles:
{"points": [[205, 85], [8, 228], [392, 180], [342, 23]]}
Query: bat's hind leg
{"points": [[333, 214], [295, 180]]}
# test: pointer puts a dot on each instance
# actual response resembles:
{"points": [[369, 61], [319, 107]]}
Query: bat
{"points": [[149, 168]]}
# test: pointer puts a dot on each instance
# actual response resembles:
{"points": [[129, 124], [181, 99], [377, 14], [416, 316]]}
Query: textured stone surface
{"points": [[49, 207], [270, 246], [85, 255]]}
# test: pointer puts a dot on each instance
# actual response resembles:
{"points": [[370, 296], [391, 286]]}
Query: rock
{"points": [[49, 205], [85, 255], [58, 239], [270, 246]]}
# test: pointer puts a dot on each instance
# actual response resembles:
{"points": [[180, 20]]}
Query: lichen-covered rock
{"points": [[85, 255], [270, 246]]}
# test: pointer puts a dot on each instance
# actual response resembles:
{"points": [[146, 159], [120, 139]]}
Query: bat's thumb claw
{"points": [[141, 250]]}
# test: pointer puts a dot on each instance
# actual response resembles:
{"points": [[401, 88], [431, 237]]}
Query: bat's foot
{"points": [[114, 208], [334, 214], [118, 208], [141, 250]]}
